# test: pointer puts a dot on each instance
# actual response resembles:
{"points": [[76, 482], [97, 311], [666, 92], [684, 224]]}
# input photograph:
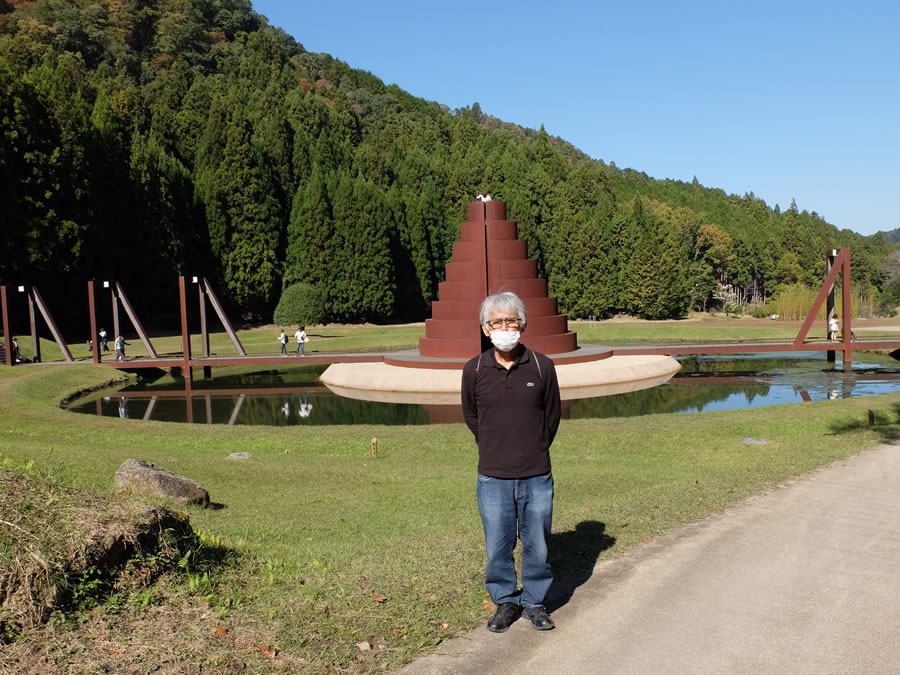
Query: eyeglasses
{"points": [[496, 324]]}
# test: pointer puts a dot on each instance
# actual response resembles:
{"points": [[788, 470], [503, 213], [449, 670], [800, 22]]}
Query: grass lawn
{"points": [[708, 328], [332, 549], [260, 340]]}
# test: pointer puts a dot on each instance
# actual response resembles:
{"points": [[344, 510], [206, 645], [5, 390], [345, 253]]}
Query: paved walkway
{"points": [[802, 579]]}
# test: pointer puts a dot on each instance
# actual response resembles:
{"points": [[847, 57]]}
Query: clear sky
{"points": [[786, 99]]}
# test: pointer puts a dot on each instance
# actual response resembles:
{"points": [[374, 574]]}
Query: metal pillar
{"points": [[185, 336], [846, 330], [829, 305], [115, 308], [95, 342], [204, 330], [7, 339], [32, 322]]}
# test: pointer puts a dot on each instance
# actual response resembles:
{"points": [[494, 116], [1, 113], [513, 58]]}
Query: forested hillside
{"points": [[142, 139]]}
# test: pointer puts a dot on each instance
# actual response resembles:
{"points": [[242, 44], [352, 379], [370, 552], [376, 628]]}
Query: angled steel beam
{"points": [[214, 301], [45, 312], [135, 321]]}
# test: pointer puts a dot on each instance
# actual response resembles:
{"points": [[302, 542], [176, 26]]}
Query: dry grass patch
{"points": [[62, 548]]}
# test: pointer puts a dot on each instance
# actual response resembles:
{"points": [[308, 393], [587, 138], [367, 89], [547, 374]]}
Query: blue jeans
{"points": [[300, 346], [511, 507]]}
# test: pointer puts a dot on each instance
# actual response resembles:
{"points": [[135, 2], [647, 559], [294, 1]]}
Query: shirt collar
{"points": [[520, 359]]}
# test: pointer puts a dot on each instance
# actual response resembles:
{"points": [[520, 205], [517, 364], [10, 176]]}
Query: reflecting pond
{"points": [[291, 396]]}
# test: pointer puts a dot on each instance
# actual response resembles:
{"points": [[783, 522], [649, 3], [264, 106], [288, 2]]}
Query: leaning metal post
{"points": [[35, 294]]}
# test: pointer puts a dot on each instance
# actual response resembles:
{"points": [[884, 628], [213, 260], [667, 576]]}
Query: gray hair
{"points": [[502, 302]]}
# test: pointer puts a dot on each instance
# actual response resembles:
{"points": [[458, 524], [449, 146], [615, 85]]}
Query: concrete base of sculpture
{"points": [[441, 386]]}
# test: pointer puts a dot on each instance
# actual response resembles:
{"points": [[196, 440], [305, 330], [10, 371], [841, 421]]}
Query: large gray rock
{"points": [[145, 478]]}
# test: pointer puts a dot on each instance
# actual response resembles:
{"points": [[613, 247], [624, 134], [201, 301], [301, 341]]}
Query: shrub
{"points": [[759, 311], [300, 304]]}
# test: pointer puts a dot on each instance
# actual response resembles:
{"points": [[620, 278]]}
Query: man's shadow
{"points": [[572, 555]]}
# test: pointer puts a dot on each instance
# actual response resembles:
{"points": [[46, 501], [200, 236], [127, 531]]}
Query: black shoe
{"points": [[539, 618], [504, 617]]}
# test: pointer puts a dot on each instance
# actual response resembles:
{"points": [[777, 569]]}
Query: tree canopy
{"points": [[143, 139]]}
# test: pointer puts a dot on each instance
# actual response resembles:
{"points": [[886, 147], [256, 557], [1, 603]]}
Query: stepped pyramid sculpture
{"points": [[489, 258]]}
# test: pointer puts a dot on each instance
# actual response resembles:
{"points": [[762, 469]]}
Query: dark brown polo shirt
{"points": [[513, 413]]}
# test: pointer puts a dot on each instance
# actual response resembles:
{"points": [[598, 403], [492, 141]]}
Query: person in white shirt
{"points": [[833, 327], [301, 341]]}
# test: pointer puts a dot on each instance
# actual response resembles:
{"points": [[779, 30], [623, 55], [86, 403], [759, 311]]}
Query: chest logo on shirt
{"points": [[530, 384]]}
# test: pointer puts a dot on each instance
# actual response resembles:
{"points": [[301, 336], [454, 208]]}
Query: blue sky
{"points": [[788, 100]]}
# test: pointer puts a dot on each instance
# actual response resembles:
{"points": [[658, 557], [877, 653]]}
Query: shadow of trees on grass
{"points": [[882, 422]]}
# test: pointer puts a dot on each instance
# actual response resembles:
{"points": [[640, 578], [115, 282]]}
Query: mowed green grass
{"points": [[337, 548], [709, 328], [326, 339]]}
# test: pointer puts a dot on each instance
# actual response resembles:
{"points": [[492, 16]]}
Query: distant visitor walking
{"points": [[283, 340], [104, 340], [120, 348], [302, 339]]}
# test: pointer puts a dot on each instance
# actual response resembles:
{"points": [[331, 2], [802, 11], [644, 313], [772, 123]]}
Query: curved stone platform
{"points": [[427, 385], [413, 359]]}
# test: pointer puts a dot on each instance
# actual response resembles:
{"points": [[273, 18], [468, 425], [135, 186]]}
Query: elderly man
{"points": [[510, 400]]}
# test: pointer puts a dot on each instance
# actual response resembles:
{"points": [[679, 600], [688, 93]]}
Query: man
{"points": [[510, 400]]}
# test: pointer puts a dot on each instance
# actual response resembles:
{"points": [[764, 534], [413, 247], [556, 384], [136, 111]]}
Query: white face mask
{"points": [[505, 340]]}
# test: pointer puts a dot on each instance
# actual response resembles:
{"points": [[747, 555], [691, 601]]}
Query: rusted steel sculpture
{"points": [[490, 258]]}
